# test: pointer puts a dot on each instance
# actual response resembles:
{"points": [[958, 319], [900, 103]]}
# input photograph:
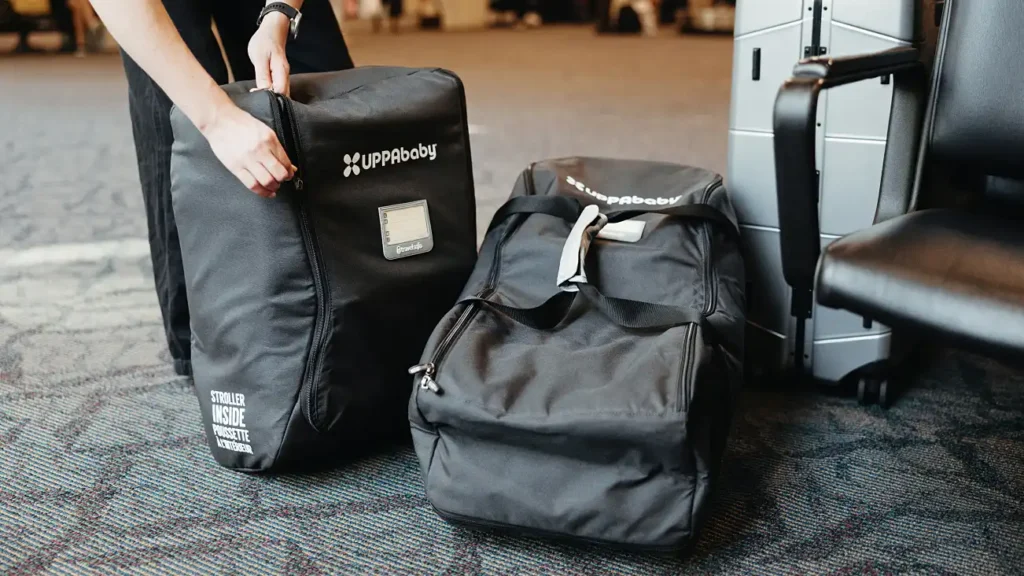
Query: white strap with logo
{"points": [[574, 251]]}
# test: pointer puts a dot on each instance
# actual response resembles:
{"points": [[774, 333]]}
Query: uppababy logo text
{"points": [[621, 199], [356, 163]]}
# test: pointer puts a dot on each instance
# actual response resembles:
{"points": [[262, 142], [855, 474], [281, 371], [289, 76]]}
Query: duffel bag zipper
{"points": [[710, 279], [428, 371], [289, 136], [711, 302], [685, 381]]}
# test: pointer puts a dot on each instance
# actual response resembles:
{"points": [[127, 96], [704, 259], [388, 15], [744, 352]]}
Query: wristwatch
{"points": [[294, 16]]}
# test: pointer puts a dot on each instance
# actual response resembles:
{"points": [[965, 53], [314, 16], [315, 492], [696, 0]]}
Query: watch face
{"points": [[295, 25]]}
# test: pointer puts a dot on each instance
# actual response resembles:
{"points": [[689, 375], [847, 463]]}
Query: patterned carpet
{"points": [[104, 469]]}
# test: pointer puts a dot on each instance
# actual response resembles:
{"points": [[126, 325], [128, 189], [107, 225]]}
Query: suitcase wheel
{"points": [[862, 391], [873, 390]]}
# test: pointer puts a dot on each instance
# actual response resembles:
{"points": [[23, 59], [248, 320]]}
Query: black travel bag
{"points": [[308, 308], [583, 386]]}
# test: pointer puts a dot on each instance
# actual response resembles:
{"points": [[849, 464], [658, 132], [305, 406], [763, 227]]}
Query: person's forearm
{"points": [[146, 33]]}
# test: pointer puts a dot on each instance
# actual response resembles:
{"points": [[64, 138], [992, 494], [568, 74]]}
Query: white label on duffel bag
{"points": [[626, 231], [356, 164], [405, 229], [228, 416], [621, 200]]}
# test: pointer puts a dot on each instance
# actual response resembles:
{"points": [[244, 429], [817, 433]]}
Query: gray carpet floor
{"points": [[104, 468]]}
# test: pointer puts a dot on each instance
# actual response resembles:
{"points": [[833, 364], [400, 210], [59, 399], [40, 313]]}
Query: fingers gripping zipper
{"points": [[289, 136], [314, 360]]}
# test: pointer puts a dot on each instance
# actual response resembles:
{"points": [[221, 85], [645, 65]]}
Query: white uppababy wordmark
{"points": [[621, 199], [356, 163]]}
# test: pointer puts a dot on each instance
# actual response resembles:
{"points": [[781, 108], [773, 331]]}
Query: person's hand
{"points": [[267, 52], [249, 149]]}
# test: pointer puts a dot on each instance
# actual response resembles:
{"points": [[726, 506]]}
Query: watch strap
{"points": [[289, 11]]}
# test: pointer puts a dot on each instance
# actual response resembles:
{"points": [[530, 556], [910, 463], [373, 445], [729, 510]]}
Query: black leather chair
{"points": [[957, 275]]}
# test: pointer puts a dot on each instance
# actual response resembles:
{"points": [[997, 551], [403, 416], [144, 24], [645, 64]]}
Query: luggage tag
{"points": [[574, 251], [405, 229], [626, 231]]}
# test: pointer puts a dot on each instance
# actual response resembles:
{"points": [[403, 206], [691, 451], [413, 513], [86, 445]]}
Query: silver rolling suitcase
{"points": [[771, 36]]}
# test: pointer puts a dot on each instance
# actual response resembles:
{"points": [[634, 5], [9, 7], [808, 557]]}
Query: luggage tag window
{"points": [[405, 229]]}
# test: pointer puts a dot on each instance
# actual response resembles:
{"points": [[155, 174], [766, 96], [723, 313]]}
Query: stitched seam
{"points": [[939, 68], [705, 197], [298, 392], [545, 418], [328, 300], [464, 125]]}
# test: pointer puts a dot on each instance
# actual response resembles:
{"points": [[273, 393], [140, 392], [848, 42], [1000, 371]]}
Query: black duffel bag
{"points": [[308, 308], [583, 386]]}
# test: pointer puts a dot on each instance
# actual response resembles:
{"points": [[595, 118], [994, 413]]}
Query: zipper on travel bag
{"points": [[428, 371], [711, 302], [289, 137], [685, 381], [710, 282]]}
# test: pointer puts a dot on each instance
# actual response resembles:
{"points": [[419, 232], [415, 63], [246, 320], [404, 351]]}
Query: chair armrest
{"points": [[847, 69], [797, 180]]}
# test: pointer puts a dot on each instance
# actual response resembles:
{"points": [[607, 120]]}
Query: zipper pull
{"points": [[427, 379], [428, 383], [297, 180], [422, 368]]}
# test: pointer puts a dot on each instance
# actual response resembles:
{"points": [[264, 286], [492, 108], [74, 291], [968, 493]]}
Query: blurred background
{"points": [[544, 78]]}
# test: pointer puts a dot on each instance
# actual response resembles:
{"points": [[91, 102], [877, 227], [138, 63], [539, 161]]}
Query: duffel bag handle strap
{"points": [[569, 209], [630, 314], [572, 278], [564, 207], [571, 270], [572, 283], [698, 211], [640, 315]]}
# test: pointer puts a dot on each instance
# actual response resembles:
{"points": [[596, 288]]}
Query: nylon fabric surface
{"points": [[604, 421], [304, 322]]}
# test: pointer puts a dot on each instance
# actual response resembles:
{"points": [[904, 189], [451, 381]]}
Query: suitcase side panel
{"points": [[757, 15], [894, 19], [850, 152]]}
